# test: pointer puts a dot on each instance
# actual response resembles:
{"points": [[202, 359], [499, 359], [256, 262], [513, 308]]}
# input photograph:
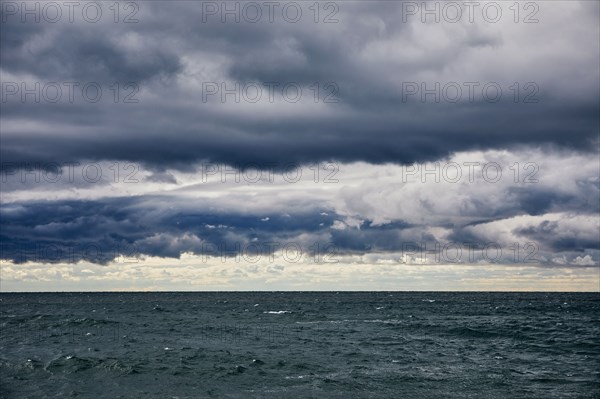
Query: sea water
{"points": [[300, 345]]}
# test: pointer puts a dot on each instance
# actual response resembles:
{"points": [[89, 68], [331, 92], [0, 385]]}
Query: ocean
{"points": [[300, 345]]}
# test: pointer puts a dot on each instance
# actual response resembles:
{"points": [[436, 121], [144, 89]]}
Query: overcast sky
{"points": [[300, 145]]}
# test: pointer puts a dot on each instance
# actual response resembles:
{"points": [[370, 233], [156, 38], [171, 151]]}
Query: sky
{"points": [[333, 145]]}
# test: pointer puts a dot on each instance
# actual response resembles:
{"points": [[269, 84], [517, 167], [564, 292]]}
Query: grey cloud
{"points": [[101, 230], [171, 126], [559, 239], [82, 53]]}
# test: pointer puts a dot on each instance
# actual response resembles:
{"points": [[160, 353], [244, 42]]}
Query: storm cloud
{"points": [[376, 85], [366, 209], [134, 132]]}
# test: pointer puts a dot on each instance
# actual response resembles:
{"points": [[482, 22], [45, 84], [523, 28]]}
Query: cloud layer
{"points": [[377, 62], [356, 133], [544, 205]]}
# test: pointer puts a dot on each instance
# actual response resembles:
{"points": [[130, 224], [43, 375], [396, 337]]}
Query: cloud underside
{"points": [[368, 209], [371, 131], [369, 54]]}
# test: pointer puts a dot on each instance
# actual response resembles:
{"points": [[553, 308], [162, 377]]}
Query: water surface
{"points": [[300, 345]]}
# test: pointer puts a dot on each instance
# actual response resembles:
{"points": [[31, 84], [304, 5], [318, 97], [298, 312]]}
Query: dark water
{"points": [[300, 345]]}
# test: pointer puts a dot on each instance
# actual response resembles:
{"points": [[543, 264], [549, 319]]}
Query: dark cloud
{"points": [[97, 231], [534, 201], [63, 52], [373, 121], [129, 227], [557, 239]]}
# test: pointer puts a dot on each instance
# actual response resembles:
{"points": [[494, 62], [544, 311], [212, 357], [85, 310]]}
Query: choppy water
{"points": [[300, 345]]}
